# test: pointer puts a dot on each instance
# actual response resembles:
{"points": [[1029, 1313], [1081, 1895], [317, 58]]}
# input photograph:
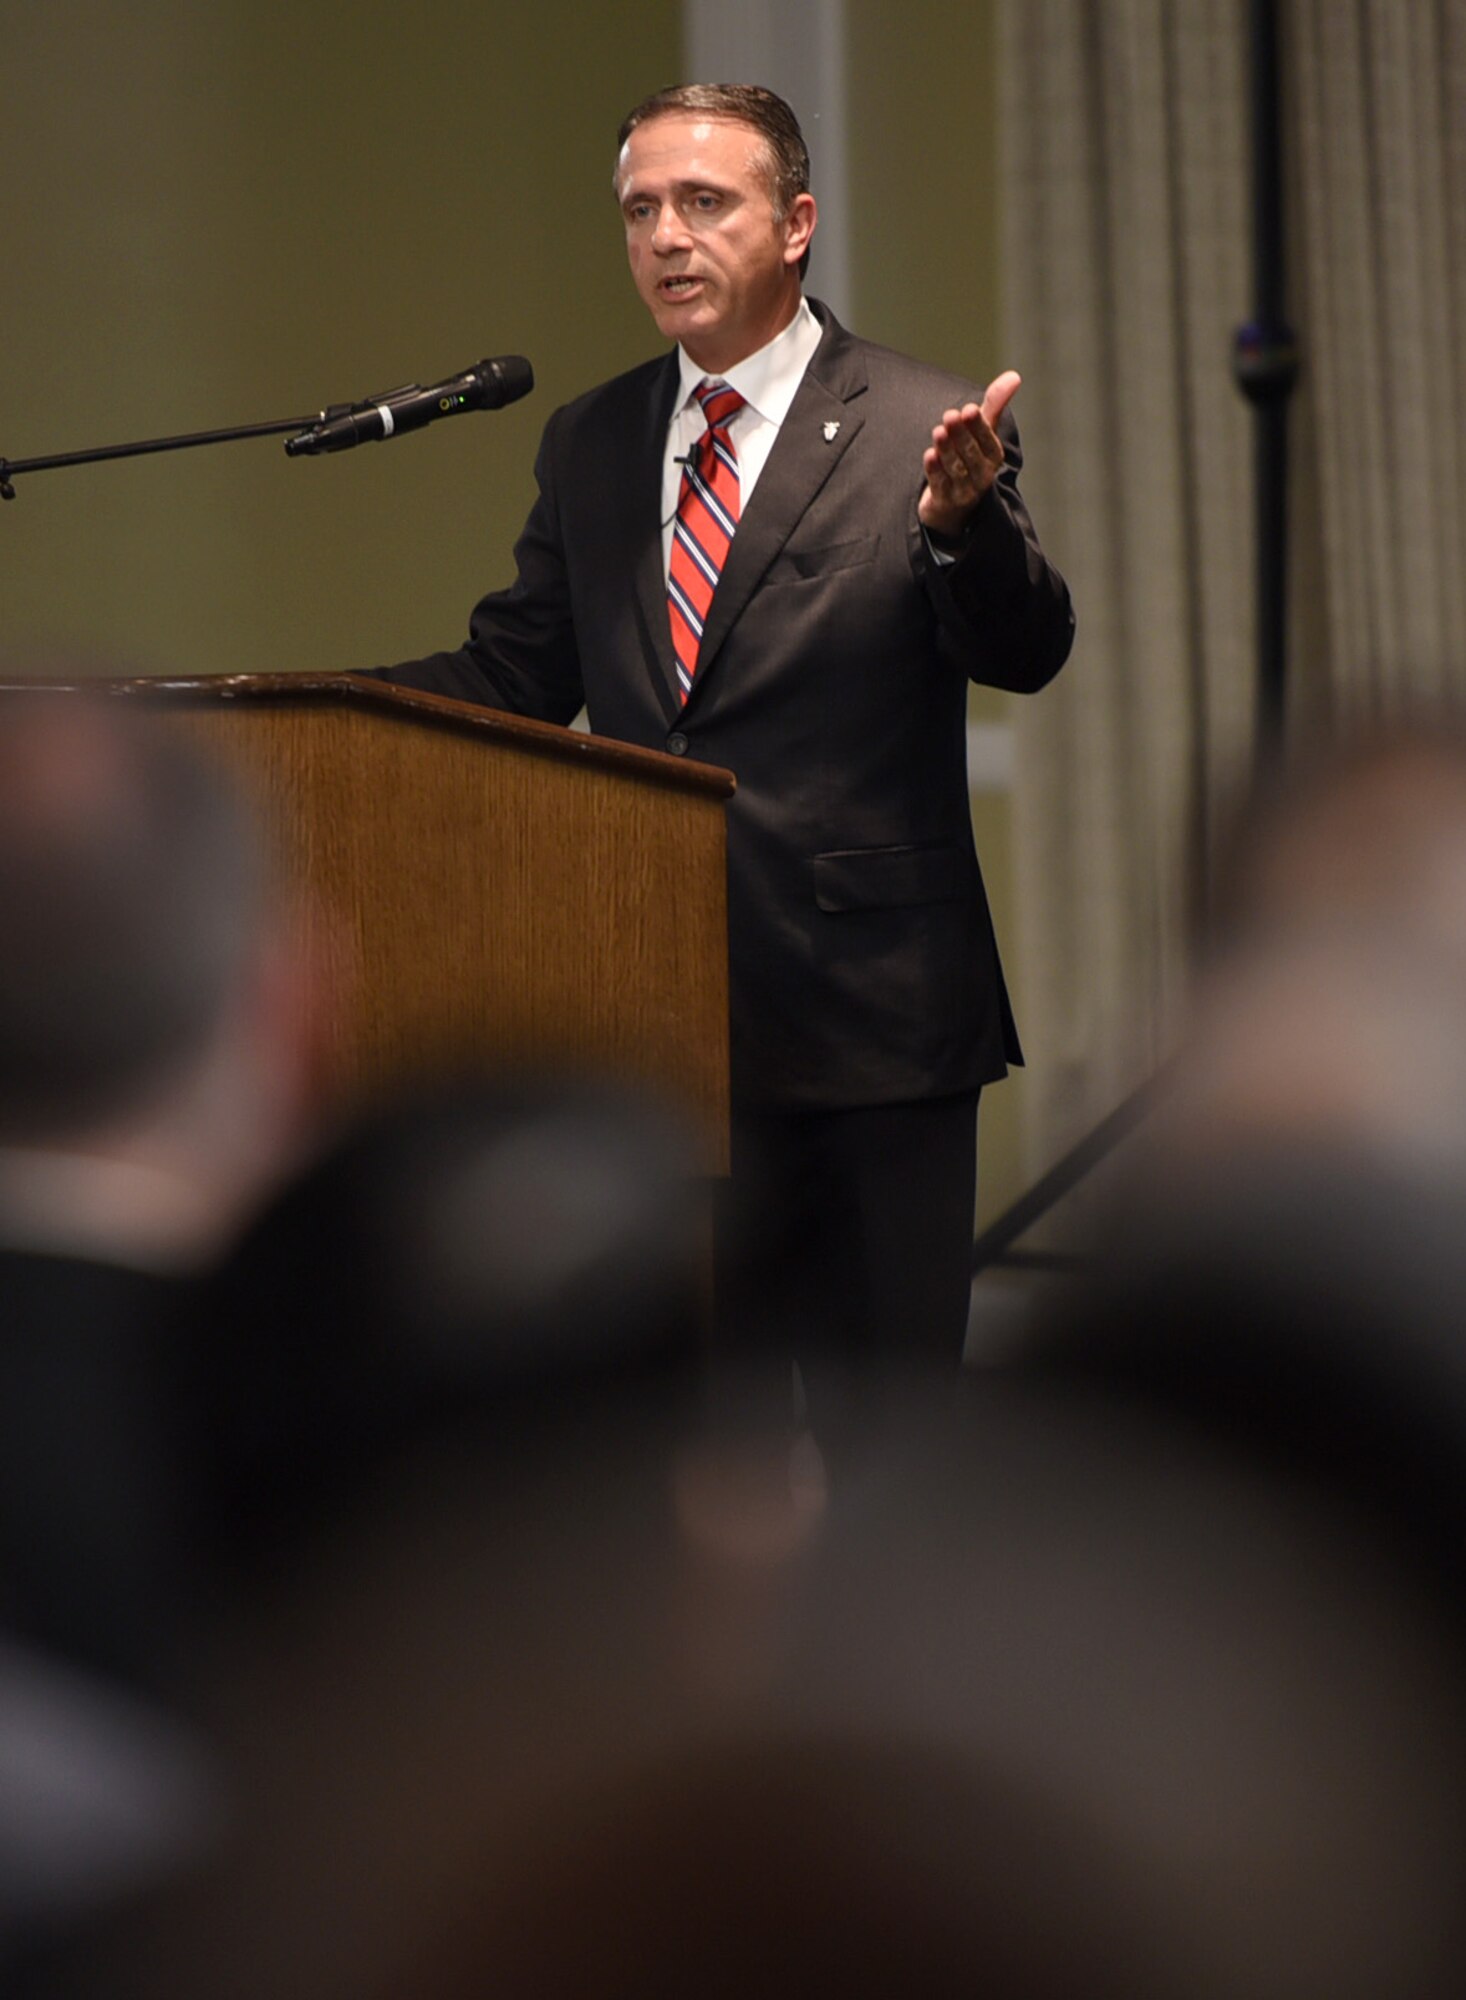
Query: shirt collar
{"points": [[767, 380]]}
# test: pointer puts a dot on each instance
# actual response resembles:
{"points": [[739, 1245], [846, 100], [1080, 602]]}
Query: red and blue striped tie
{"points": [[707, 515]]}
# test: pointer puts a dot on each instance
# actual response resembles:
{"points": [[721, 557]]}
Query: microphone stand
{"points": [[9, 467]]}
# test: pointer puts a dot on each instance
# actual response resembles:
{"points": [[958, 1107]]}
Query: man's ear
{"points": [[799, 227]]}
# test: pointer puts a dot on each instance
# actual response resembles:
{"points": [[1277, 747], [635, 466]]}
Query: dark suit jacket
{"points": [[93, 1432], [831, 680]]}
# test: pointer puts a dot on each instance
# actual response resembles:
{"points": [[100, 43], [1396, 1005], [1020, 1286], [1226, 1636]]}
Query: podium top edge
{"points": [[546, 739]]}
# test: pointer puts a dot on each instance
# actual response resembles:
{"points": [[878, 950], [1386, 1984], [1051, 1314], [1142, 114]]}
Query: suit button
{"points": [[677, 743]]}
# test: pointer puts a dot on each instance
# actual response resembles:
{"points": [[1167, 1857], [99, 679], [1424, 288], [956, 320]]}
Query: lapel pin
{"points": [[832, 431]]}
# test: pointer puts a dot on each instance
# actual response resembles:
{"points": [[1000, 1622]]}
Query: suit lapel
{"points": [[822, 424], [643, 476]]}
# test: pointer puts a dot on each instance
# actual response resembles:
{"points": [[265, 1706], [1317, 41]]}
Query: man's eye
{"points": [[706, 202]]}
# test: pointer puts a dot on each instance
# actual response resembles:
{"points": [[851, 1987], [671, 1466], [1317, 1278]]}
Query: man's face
{"points": [[716, 269]]}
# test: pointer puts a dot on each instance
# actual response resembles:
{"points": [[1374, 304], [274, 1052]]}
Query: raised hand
{"points": [[963, 459]]}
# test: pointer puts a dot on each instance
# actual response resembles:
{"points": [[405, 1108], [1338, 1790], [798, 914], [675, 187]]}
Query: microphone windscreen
{"points": [[504, 380]]}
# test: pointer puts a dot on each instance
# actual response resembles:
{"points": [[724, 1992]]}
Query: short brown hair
{"points": [[787, 156]]}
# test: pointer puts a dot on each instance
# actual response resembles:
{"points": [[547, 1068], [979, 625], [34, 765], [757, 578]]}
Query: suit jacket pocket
{"points": [[885, 878], [793, 565]]}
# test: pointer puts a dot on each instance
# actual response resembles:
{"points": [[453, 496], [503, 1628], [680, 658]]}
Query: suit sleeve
{"points": [[1002, 608], [521, 652]]}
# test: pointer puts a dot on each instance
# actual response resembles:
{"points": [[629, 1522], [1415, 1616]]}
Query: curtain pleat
{"points": [[1123, 146]]}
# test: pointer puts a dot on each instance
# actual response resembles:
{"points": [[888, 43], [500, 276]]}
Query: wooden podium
{"points": [[487, 891]]}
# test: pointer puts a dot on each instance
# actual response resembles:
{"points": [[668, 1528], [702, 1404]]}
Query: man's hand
{"points": [[963, 459]]}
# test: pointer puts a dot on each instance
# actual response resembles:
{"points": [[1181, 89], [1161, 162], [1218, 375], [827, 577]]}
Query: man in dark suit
{"points": [[155, 1077], [880, 557]]}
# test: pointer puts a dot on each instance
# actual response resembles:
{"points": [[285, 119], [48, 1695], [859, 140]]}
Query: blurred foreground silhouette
{"points": [[530, 1655]]}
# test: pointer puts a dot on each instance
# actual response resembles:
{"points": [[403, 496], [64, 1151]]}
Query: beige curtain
{"points": [[1126, 178], [1377, 125]]}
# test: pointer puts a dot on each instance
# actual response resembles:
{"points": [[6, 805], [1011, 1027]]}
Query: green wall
{"points": [[217, 215], [225, 214], [923, 174]]}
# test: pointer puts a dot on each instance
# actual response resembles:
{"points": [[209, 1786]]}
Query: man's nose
{"points": [[670, 231]]}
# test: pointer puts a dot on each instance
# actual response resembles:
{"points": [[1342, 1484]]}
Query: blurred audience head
{"points": [[1284, 1264], [1332, 984], [1366, 836], [464, 1256], [150, 1009], [1280, 1290]]}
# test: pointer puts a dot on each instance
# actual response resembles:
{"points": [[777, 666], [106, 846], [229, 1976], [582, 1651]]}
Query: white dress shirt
{"points": [[767, 381]]}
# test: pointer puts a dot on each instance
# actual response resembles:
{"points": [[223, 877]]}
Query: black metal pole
{"points": [[10, 466], [1265, 363], [995, 1244]]}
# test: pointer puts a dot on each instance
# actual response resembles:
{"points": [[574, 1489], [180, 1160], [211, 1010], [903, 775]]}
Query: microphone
{"points": [[489, 386]]}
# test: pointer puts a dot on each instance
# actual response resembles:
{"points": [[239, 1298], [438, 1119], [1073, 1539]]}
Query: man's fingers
{"points": [[964, 458], [960, 444], [1000, 394], [966, 451]]}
